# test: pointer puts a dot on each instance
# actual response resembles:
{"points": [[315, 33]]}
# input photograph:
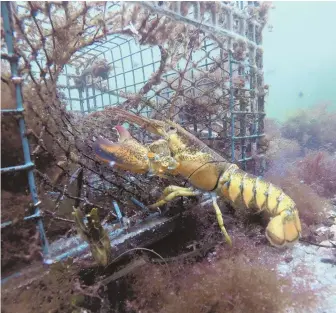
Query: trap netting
{"points": [[197, 63]]}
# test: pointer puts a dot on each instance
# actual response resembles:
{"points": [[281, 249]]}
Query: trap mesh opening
{"points": [[131, 67]]}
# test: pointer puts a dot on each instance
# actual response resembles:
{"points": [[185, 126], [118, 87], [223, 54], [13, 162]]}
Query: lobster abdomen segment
{"points": [[252, 192]]}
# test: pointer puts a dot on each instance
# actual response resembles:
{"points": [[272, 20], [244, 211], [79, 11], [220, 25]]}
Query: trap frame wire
{"points": [[88, 101], [29, 165]]}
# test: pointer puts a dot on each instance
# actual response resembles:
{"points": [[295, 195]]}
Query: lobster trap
{"points": [[197, 63], [214, 87]]}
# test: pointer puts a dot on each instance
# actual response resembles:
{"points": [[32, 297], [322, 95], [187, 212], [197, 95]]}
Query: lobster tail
{"points": [[284, 229], [255, 193]]}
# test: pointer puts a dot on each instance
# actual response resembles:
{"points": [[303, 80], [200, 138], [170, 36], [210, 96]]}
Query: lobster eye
{"points": [[172, 128]]}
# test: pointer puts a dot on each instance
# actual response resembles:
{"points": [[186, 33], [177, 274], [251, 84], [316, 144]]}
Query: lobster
{"points": [[180, 153]]}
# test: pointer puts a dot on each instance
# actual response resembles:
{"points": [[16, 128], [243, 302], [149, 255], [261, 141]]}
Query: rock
{"points": [[332, 232], [329, 243], [327, 253], [322, 233], [319, 275], [330, 213], [329, 222], [288, 259]]}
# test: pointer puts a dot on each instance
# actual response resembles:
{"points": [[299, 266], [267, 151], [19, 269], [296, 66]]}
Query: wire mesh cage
{"points": [[197, 63]]}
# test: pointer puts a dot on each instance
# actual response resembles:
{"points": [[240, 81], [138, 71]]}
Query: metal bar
{"points": [[239, 13], [17, 168], [117, 89], [68, 85], [26, 218], [115, 76], [88, 109], [9, 56], [147, 232], [94, 98], [141, 235], [4, 280], [231, 110], [108, 86], [142, 67], [249, 113], [245, 159], [132, 70], [139, 204], [6, 16], [12, 111], [123, 69], [204, 27], [117, 210], [248, 137], [242, 63], [81, 100], [153, 63]]}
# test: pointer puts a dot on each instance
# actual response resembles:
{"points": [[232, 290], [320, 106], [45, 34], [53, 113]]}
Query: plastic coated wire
{"points": [[6, 15]]}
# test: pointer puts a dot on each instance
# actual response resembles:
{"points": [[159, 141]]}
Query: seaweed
{"points": [[301, 160], [318, 170], [46, 291], [313, 128], [238, 281], [241, 279]]}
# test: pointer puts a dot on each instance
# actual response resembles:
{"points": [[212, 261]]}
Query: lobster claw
{"points": [[128, 155]]}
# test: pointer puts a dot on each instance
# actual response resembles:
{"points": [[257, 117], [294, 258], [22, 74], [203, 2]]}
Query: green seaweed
{"points": [[95, 235]]}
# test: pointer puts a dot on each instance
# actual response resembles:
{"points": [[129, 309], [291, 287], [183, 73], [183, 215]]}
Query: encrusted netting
{"points": [[197, 63]]}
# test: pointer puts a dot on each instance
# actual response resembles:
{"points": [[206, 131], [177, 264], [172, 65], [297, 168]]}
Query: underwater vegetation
{"points": [[313, 128], [48, 292], [301, 160], [95, 235], [318, 170], [242, 280]]}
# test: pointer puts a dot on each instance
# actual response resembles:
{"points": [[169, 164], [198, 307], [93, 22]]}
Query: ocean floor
{"points": [[317, 266]]}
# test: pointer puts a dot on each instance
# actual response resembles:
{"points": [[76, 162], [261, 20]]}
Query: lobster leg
{"points": [[220, 219], [172, 192]]}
